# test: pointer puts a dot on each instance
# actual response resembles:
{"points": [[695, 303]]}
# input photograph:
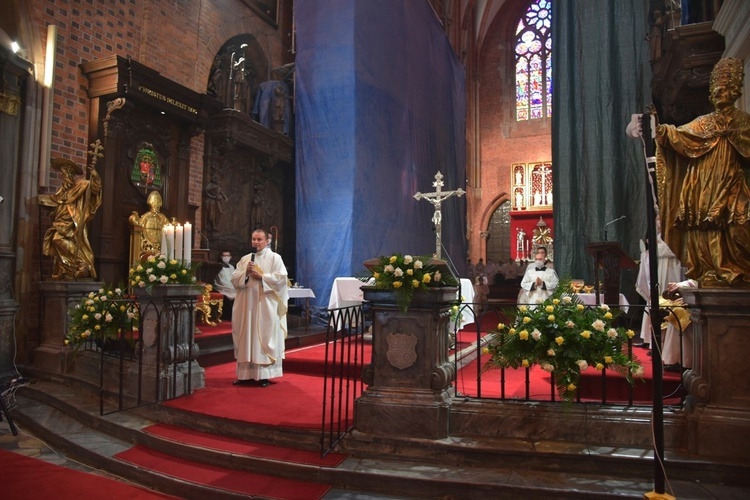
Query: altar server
{"points": [[539, 281]]}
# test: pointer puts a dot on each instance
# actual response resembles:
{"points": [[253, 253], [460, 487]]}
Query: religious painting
{"points": [[146, 171], [519, 174], [540, 186]]}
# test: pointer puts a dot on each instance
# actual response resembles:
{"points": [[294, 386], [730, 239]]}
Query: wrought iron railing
{"points": [[494, 384], [152, 359], [342, 375]]}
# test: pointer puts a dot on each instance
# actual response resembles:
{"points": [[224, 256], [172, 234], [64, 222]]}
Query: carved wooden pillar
{"points": [[13, 74]]}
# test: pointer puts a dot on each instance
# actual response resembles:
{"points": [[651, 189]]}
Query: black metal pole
{"points": [[656, 317]]}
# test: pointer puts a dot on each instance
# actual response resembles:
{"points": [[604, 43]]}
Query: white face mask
{"points": [[225, 259]]}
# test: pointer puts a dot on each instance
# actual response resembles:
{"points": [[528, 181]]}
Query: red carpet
{"points": [[217, 477], [241, 447], [293, 400], [30, 478], [223, 328]]}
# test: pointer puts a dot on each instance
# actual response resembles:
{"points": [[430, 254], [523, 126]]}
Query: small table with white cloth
{"points": [[303, 293], [589, 299]]}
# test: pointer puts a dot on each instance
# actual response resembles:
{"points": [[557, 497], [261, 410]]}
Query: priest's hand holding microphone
{"points": [[252, 271]]}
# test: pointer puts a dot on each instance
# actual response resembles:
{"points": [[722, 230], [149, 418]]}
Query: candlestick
{"points": [[178, 241], [187, 246]]}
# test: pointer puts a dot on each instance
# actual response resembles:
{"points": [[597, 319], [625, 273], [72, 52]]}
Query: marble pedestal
{"points": [[167, 324], [409, 379], [58, 297], [718, 385]]}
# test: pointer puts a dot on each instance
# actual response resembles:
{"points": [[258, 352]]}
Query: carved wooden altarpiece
{"points": [[249, 184], [146, 123]]}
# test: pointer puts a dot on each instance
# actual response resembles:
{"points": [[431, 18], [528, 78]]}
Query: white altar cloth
{"points": [[346, 292], [589, 299]]}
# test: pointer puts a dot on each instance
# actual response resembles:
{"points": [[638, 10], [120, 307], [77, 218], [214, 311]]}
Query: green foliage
{"points": [[564, 337], [406, 275]]}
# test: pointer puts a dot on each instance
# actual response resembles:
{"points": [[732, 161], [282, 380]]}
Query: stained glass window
{"points": [[534, 62]]}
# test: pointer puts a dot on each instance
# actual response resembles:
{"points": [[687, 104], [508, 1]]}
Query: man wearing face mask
{"points": [[223, 284], [539, 281]]}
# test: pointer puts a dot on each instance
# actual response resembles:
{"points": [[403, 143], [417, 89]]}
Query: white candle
{"points": [[178, 239], [170, 242], [163, 250], [187, 245]]}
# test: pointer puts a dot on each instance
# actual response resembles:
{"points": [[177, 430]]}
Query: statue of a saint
{"points": [[279, 107], [519, 200], [75, 204], [151, 224], [537, 198], [239, 79], [214, 202], [703, 191]]}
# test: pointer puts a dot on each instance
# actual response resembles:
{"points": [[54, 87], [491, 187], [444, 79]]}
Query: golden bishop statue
{"points": [[703, 191]]}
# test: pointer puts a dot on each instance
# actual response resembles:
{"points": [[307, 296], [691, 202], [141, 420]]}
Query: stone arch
{"points": [[486, 219], [237, 70]]}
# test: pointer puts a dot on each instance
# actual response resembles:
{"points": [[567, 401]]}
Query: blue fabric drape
{"points": [[380, 109], [601, 77]]}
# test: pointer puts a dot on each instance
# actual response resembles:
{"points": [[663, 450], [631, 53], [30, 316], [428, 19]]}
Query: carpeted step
{"points": [[221, 478], [26, 477], [215, 442]]}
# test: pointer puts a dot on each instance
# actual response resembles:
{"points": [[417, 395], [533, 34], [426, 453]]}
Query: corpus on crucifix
{"points": [[436, 198]]}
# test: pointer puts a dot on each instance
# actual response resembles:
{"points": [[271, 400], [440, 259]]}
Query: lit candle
{"points": [[187, 245], [178, 239], [170, 242], [163, 249]]}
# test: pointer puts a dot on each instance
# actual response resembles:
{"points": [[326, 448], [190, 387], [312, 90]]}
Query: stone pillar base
{"points": [[414, 414], [58, 296], [171, 382], [718, 401]]}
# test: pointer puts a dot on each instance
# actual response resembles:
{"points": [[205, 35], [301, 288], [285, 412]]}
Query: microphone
{"points": [[610, 222], [252, 259]]}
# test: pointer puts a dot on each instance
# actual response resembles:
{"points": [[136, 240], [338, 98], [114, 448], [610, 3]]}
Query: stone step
{"points": [[68, 418]]}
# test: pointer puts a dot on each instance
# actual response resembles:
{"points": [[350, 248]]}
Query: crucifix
{"points": [[543, 172], [436, 199]]}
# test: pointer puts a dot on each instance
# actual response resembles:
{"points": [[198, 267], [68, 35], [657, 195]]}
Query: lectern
{"points": [[609, 259]]}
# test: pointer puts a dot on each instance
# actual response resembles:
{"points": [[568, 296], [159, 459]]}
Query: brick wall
{"points": [[177, 38], [502, 142]]}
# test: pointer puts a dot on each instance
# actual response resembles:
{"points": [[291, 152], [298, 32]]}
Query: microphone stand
{"points": [[451, 265], [656, 315]]}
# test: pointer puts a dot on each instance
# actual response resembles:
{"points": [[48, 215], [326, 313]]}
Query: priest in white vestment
{"points": [[669, 271], [677, 351], [259, 315], [539, 281]]}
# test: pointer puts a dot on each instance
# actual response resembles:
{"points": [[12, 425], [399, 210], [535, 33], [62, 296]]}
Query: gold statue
{"points": [[703, 191], [147, 229], [75, 204]]}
